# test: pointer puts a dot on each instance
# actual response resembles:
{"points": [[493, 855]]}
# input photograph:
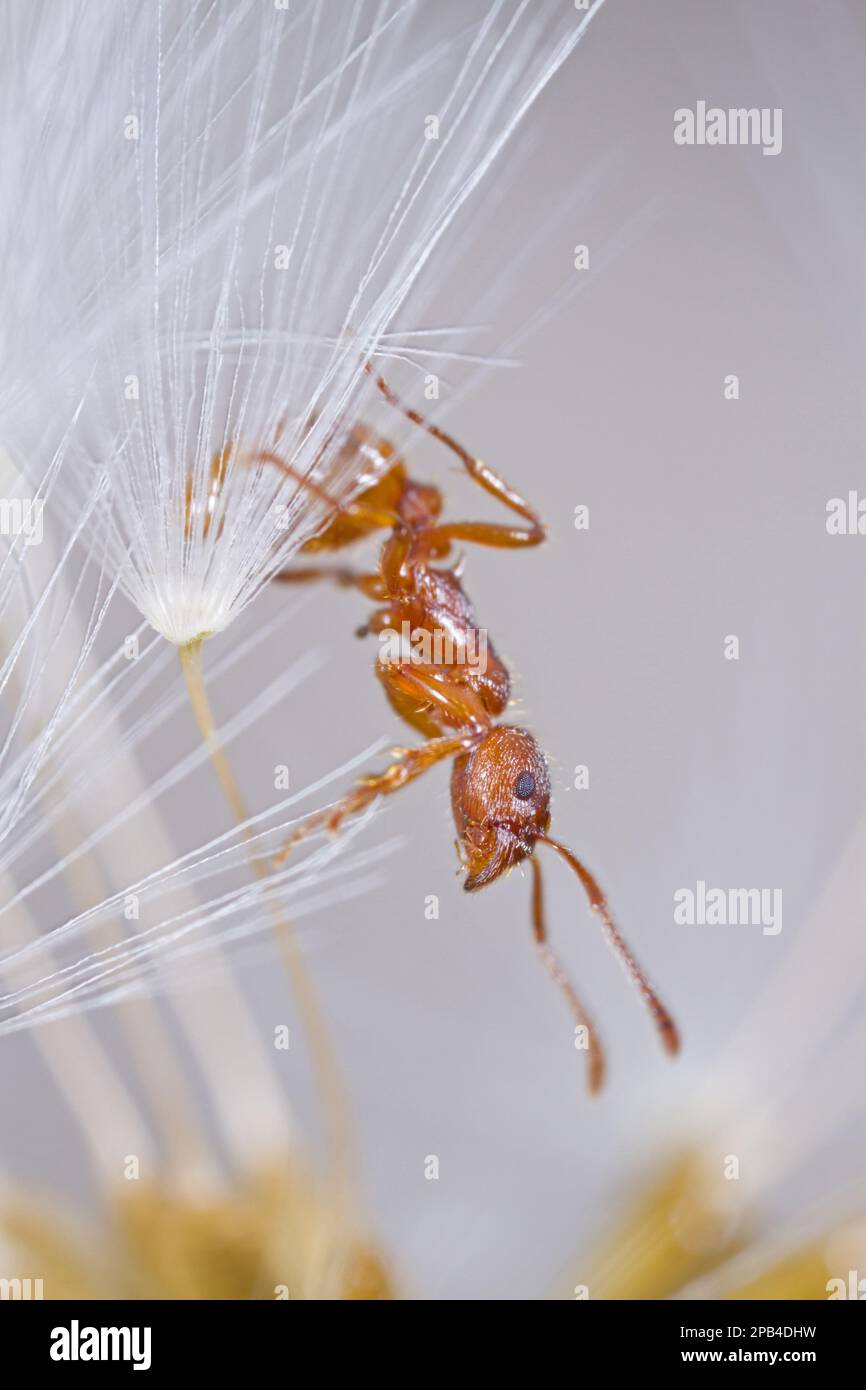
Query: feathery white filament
{"points": [[223, 210]]}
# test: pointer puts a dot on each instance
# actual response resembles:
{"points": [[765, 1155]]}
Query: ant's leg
{"points": [[218, 470], [452, 704], [379, 621], [411, 764], [356, 510], [595, 1056], [370, 585], [437, 538], [446, 701], [487, 534]]}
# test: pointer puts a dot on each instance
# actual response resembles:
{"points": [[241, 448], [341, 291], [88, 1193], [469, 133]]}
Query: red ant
{"points": [[500, 788]]}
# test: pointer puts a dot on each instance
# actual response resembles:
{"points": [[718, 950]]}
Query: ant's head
{"points": [[500, 795]]}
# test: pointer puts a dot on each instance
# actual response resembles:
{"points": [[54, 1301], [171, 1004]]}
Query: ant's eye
{"points": [[524, 787]]}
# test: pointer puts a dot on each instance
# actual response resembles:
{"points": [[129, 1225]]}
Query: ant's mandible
{"points": [[500, 788]]}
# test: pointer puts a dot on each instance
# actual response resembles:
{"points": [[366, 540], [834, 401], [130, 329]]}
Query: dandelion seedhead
{"points": [[237, 206], [278, 1235]]}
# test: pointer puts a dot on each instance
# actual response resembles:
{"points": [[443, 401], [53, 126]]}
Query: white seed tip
{"points": [[182, 617]]}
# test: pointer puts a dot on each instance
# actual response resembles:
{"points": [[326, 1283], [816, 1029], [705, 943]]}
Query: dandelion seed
{"points": [[219, 280]]}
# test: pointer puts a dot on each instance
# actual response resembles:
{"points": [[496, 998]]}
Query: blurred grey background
{"points": [[707, 519]]}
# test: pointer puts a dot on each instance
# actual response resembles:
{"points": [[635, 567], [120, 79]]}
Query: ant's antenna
{"points": [[597, 901], [595, 1056]]}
